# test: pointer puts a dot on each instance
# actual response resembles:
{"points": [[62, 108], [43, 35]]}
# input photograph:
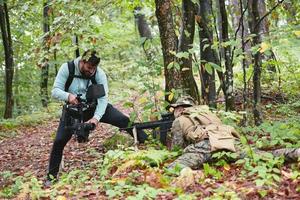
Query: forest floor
{"points": [[29, 151]]}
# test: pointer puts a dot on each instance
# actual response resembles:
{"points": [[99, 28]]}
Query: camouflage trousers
{"points": [[195, 155]]}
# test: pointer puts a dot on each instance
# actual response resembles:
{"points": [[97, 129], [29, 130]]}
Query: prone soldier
{"points": [[201, 134]]}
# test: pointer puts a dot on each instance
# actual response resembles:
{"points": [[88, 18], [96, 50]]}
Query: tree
{"points": [[186, 40], [257, 62], [238, 14], [181, 78], [45, 64], [169, 43], [207, 54], [229, 97], [76, 43], [9, 61], [142, 25], [143, 29], [264, 33]]}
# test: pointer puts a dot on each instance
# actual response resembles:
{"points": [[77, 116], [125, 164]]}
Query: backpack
{"points": [[201, 115], [71, 67]]}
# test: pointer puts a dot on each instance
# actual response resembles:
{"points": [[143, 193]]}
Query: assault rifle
{"points": [[76, 112], [164, 124]]}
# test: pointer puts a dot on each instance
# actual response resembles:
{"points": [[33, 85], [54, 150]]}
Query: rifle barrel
{"points": [[148, 125]]}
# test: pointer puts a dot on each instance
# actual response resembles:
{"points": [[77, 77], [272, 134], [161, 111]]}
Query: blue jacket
{"points": [[79, 86]]}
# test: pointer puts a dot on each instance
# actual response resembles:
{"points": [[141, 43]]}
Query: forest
{"points": [[241, 58]]}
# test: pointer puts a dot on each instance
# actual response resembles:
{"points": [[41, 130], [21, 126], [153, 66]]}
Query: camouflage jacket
{"points": [[198, 123]]}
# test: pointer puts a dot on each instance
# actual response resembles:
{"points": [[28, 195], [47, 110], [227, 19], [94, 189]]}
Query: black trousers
{"points": [[112, 116]]}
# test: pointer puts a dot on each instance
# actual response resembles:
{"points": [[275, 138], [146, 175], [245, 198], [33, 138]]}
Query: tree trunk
{"points": [[45, 64], [142, 25], [264, 34], [75, 42], [245, 64], [236, 17], [207, 54], [257, 63], [169, 43], [229, 96], [144, 31], [9, 62], [185, 43]]}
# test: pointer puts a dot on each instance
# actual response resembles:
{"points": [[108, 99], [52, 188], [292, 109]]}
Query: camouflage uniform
{"points": [[201, 133]]}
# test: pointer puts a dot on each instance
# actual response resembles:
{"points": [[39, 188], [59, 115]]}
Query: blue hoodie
{"points": [[79, 86]]}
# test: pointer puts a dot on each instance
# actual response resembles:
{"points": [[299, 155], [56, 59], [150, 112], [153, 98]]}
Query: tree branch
{"points": [[263, 17]]}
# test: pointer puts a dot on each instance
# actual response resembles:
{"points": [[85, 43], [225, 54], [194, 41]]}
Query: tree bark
{"points": [[236, 20], [9, 62], [75, 42], [245, 64], [229, 96], [264, 30], [143, 27], [45, 64], [257, 63], [169, 44], [185, 43], [207, 54], [144, 31]]}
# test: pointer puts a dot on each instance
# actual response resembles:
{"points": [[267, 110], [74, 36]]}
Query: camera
{"points": [[75, 113], [82, 131]]}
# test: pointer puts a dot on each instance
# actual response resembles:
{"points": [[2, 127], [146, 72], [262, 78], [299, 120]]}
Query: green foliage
{"points": [[211, 171], [140, 192], [27, 185], [9, 190], [223, 192], [279, 133], [118, 140], [110, 29], [150, 157], [264, 166]]}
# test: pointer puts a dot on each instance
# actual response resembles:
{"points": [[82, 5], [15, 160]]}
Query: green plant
{"points": [[211, 171], [264, 166]]}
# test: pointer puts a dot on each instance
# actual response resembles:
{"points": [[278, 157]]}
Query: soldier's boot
{"points": [[291, 154]]}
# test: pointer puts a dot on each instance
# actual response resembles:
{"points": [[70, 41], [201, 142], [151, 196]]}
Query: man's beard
{"points": [[86, 75]]}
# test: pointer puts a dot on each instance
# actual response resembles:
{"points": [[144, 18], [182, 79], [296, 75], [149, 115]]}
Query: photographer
{"points": [[73, 79]]}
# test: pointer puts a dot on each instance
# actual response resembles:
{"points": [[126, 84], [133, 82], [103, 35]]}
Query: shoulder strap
{"points": [[93, 78], [71, 67]]}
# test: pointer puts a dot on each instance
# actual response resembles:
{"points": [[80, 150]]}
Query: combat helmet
{"points": [[186, 101]]}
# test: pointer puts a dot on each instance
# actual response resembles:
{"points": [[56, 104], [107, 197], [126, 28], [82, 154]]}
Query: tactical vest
{"points": [[198, 123]]}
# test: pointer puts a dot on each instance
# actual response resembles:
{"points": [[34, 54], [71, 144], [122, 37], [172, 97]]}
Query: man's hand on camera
{"points": [[72, 99], [93, 121]]}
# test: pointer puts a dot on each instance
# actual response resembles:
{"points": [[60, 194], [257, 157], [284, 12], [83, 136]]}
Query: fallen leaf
{"points": [[227, 167], [297, 33], [124, 167], [171, 96], [286, 174], [153, 179], [61, 198], [143, 100], [263, 47]]}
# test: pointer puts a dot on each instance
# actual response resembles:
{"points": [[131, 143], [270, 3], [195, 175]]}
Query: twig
{"points": [[135, 138], [263, 17]]}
